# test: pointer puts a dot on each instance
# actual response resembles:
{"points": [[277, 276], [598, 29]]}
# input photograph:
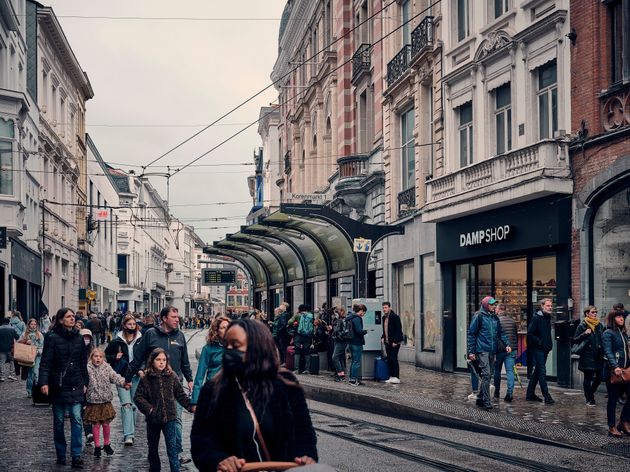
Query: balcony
{"points": [[353, 171], [397, 67], [361, 62], [520, 175], [352, 166], [287, 163], [422, 37], [616, 107], [406, 202]]}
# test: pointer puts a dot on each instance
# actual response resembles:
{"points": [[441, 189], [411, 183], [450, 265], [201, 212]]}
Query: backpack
{"points": [[305, 325], [343, 330]]}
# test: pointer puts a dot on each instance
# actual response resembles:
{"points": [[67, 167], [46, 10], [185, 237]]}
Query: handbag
{"points": [[578, 348], [24, 354], [622, 378]]}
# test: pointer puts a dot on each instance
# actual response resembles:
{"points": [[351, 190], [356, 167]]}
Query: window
{"points": [[6, 157], [430, 322], [501, 7], [122, 268], [503, 118], [408, 149], [405, 290], [406, 24], [466, 134], [362, 129], [463, 19], [547, 100], [54, 103], [618, 36]]}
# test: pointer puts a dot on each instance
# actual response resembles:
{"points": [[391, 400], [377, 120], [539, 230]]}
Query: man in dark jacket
{"points": [[539, 343], [63, 376], [484, 334], [392, 337], [303, 338], [356, 342], [172, 340], [8, 336]]}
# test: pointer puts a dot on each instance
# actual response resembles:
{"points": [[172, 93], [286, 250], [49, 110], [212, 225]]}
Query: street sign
{"points": [[362, 245], [218, 277], [319, 197], [3, 237]]}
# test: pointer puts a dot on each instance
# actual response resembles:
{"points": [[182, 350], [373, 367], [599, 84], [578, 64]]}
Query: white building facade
{"points": [[180, 267]]}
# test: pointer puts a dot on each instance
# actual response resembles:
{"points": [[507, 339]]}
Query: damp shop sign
{"points": [[484, 236]]}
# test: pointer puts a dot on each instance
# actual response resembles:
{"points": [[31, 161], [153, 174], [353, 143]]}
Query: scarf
{"points": [[591, 323]]}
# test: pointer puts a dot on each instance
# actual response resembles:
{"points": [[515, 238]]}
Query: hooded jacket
{"points": [[539, 332], [173, 342], [119, 344], [157, 395], [101, 378], [484, 332]]}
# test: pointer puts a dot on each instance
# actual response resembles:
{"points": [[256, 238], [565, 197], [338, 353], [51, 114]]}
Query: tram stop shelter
{"points": [[304, 252]]}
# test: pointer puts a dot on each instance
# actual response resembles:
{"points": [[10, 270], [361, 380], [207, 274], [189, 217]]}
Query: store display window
{"points": [[405, 289]]}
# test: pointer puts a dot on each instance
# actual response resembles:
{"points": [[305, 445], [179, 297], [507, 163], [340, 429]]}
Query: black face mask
{"points": [[130, 330], [233, 361]]}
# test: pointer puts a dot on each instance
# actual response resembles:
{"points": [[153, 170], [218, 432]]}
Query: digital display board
{"points": [[218, 277]]}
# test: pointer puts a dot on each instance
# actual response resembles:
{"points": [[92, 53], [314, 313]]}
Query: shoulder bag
{"points": [[24, 354], [579, 347]]}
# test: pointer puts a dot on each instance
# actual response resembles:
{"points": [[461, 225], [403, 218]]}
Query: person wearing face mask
{"points": [[119, 354], [252, 410]]}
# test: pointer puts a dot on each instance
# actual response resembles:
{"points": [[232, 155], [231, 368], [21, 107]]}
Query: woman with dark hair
{"points": [[33, 337], [211, 355], [64, 378], [356, 342], [591, 361], [251, 411], [615, 342]]}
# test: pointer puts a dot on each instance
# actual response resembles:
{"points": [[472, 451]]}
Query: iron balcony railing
{"points": [[422, 36], [361, 61], [398, 65], [406, 202]]}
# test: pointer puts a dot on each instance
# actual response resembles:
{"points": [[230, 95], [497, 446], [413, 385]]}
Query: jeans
{"points": [[3, 365], [127, 408], [302, 349], [509, 360], [179, 430], [33, 375], [76, 429], [339, 356], [486, 363], [592, 379], [392, 360], [614, 390], [539, 358], [170, 437], [356, 351], [474, 380]]}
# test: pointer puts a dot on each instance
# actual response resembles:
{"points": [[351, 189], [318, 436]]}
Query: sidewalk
{"points": [[441, 398]]}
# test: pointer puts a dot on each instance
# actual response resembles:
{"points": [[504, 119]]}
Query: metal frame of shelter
{"points": [[302, 244]]}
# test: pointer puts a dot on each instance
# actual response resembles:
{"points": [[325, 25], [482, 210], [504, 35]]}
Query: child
{"points": [[155, 398], [99, 410]]}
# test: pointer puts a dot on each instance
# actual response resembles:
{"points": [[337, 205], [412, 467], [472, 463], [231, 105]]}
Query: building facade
{"points": [[180, 268]]}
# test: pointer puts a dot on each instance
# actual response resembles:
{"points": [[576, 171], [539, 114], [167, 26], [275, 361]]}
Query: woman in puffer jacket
{"points": [[615, 342], [591, 361]]}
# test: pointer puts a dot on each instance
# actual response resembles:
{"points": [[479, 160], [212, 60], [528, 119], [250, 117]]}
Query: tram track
{"points": [[507, 459]]}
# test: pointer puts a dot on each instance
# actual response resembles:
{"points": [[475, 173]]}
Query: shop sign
{"points": [[101, 215], [484, 236]]}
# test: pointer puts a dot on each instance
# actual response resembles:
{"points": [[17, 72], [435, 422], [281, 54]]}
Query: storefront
{"points": [[26, 279], [520, 255]]}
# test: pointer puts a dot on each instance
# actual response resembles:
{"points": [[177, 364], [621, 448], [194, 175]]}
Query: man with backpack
{"points": [[279, 330], [304, 336]]}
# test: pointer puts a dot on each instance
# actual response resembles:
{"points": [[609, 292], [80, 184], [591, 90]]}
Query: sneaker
{"points": [[356, 382], [339, 378], [97, 452], [108, 449], [492, 388], [1, 379], [508, 397], [89, 438], [472, 396], [11, 377], [305, 372], [394, 380], [184, 460], [590, 403], [29, 395], [129, 441]]}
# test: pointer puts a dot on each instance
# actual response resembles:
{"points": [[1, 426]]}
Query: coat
{"points": [[209, 364], [119, 344], [394, 329], [615, 343], [101, 379], [64, 366], [156, 395], [592, 356], [286, 425], [539, 332], [484, 333]]}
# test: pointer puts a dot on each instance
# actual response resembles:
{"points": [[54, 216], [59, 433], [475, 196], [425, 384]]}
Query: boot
{"points": [[108, 449], [614, 432], [97, 452], [624, 426]]}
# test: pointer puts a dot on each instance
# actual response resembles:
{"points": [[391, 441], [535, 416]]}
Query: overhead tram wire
{"points": [[299, 94], [266, 88]]}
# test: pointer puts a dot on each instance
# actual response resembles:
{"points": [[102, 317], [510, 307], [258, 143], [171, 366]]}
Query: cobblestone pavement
{"points": [[445, 394], [26, 434]]}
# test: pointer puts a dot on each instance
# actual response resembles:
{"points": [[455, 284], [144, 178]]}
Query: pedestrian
{"points": [[158, 393], [504, 358], [45, 322], [33, 337], [356, 342], [304, 335], [8, 336], [484, 334], [588, 340], [211, 355], [280, 331], [99, 411], [18, 325], [251, 389], [615, 343], [539, 344], [169, 337], [95, 326], [341, 334], [149, 322], [64, 378], [392, 337], [88, 341], [119, 354]]}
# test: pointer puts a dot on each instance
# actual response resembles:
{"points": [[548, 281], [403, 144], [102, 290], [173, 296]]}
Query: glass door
{"points": [[544, 286], [511, 290]]}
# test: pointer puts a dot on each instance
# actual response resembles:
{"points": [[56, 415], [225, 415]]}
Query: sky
{"points": [[158, 81]]}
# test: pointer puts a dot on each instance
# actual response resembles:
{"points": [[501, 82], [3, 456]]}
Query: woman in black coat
{"points": [[63, 376], [591, 361], [615, 342], [223, 436]]}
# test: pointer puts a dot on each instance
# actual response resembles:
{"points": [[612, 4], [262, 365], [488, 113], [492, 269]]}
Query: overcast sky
{"points": [[157, 82]]}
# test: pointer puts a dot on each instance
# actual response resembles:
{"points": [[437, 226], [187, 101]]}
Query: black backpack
{"points": [[343, 330]]}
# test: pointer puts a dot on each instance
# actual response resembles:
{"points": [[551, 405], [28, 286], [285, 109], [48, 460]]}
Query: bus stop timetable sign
{"points": [[218, 277]]}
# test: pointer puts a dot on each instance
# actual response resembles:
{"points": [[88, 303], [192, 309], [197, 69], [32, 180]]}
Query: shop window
{"points": [[405, 289], [465, 307], [430, 322], [611, 252], [503, 118], [547, 100], [465, 131]]}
